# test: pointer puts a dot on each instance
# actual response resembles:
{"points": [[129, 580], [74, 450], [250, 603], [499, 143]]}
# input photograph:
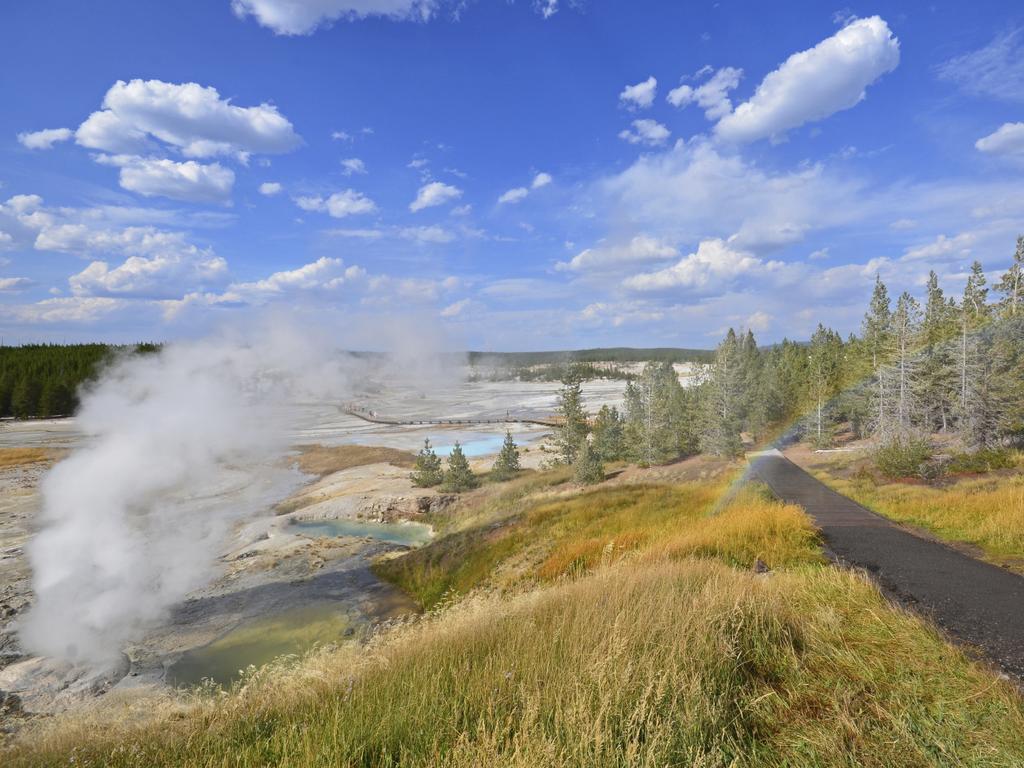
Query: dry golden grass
{"points": [[18, 457], [662, 663], [609, 628], [323, 460]]}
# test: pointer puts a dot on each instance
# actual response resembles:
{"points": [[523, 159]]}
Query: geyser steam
{"points": [[179, 445]]}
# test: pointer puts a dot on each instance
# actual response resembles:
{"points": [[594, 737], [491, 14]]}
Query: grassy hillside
{"points": [[622, 626]]}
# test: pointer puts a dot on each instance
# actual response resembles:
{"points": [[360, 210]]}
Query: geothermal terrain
{"points": [[292, 574]]}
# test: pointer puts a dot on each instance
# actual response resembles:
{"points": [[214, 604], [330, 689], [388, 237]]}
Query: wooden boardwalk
{"points": [[373, 418]]}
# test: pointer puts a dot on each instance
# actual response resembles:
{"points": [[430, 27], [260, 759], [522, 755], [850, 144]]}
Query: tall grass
{"points": [[610, 628], [660, 663]]}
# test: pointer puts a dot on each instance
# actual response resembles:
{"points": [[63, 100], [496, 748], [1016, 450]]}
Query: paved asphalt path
{"points": [[978, 603]]}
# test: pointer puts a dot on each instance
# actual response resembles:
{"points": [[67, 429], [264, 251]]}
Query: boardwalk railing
{"points": [[373, 418]]}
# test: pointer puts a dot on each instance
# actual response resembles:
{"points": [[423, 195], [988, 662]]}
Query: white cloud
{"points": [[1008, 141], [44, 139], [514, 195], [712, 96], [818, 255], [942, 248], [164, 275], [434, 193], [189, 180], [14, 284], [462, 210], [72, 309], [641, 95], [546, 8], [353, 165], [303, 17], [5, 240], [361, 234], [639, 249], [713, 264], [348, 202], [646, 131], [270, 188], [541, 180], [816, 83], [455, 309], [432, 234], [188, 117], [341, 136], [997, 70]]}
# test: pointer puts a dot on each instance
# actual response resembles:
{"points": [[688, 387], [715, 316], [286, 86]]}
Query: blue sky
{"points": [[517, 175]]}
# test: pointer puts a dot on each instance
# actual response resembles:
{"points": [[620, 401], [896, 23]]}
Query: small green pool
{"points": [[257, 643], [406, 534]]}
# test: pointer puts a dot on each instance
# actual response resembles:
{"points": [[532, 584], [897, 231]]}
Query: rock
{"points": [[760, 567], [10, 704], [438, 503]]}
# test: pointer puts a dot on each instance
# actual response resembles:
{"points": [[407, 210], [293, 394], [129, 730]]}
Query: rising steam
{"points": [[179, 445]]}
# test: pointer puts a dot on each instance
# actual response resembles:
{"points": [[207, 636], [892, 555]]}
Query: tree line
{"points": [[43, 380], [918, 367]]}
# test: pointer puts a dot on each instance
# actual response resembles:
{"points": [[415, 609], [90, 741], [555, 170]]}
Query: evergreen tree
{"points": [[427, 472], [458, 477], [975, 396], [574, 419], [1011, 286], [658, 427], [877, 344], [588, 469], [608, 434], [723, 401], [824, 361], [906, 326], [506, 466], [936, 365], [25, 397]]}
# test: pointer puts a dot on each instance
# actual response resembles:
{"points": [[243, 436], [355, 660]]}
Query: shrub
{"points": [[908, 457], [984, 460]]}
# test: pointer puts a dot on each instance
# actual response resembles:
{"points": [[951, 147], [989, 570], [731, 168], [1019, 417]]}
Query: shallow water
{"points": [[257, 643], [474, 447], [406, 534]]}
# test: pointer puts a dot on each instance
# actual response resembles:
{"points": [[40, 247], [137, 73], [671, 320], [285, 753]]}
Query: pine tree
{"points": [[936, 365], [25, 397], [723, 401], [458, 477], [574, 419], [657, 418], [608, 434], [506, 466], [902, 373], [975, 394], [877, 339], [589, 469], [1011, 286], [427, 472], [823, 362]]}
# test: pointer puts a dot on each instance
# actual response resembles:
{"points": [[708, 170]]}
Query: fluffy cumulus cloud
{"points": [[996, 71], [303, 17], [813, 84], [348, 202], [541, 180], [712, 95], [44, 139], [160, 177], [1007, 141], [166, 274], [711, 266], [638, 250], [191, 118], [270, 188], [433, 194], [646, 131], [641, 95]]}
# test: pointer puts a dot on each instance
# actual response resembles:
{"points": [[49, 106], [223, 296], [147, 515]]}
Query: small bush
{"points": [[904, 458], [984, 460]]}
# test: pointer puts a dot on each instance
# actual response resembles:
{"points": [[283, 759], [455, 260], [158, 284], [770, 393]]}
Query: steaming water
{"points": [[257, 643], [406, 534]]}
